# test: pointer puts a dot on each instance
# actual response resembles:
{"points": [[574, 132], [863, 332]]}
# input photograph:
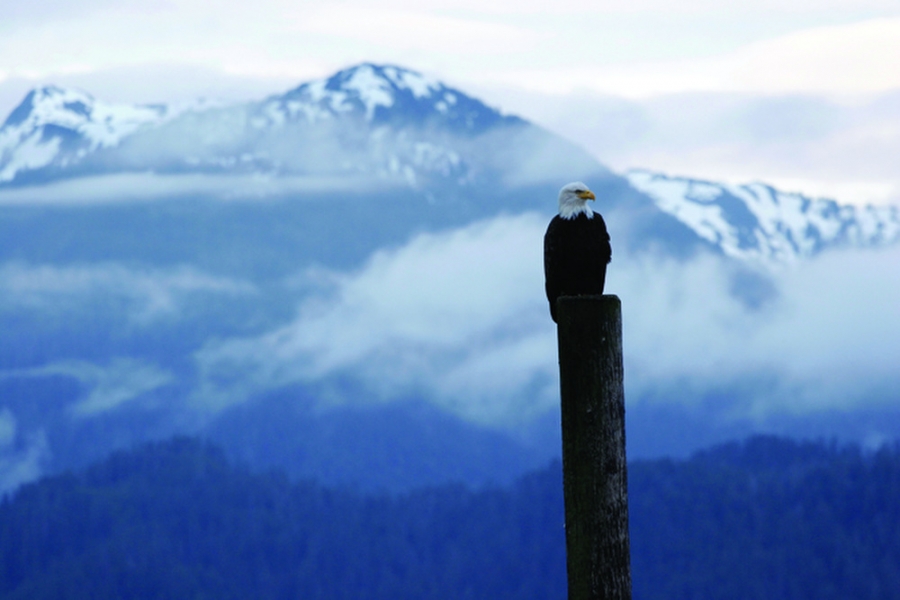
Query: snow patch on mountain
{"points": [[60, 126], [759, 223], [419, 85], [364, 88], [425, 158]]}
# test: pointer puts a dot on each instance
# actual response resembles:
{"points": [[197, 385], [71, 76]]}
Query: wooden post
{"points": [[593, 433]]}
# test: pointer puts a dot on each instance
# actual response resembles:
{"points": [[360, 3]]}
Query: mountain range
{"points": [[392, 124], [344, 280], [755, 222], [369, 121]]}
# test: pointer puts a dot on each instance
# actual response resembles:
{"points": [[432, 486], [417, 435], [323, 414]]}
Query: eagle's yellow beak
{"points": [[587, 195]]}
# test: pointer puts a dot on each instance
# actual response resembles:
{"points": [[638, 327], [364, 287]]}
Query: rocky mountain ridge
{"points": [[759, 223]]}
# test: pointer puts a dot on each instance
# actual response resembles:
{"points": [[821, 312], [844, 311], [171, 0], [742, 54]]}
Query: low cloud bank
{"points": [[147, 187], [828, 338], [143, 294], [460, 317], [453, 316]]}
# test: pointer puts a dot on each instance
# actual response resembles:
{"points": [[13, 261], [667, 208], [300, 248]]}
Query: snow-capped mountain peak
{"points": [[379, 94], [368, 119], [58, 126], [759, 223]]}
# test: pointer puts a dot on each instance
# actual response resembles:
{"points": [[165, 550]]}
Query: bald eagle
{"points": [[576, 247]]}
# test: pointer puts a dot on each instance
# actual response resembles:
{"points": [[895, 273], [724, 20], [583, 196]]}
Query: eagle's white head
{"points": [[573, 199]]}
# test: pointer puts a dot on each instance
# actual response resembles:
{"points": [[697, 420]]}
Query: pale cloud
{"points": [[146, 295], [414, 30], [460, 318], [411, 320], [171, 82], [123, 188], [114, 384], [626, 48], [43, 11], [108, 386], [855, 58], [821, 147], [830, 338]]}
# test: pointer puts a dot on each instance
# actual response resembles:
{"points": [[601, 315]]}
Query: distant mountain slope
{"points": [[392, 448], [768, 518], [759, 223], [381, 122]]}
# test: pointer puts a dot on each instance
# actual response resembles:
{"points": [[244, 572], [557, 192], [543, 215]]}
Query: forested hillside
{"points": [[768, 518]]}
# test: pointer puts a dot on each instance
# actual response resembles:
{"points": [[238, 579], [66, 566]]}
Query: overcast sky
{"points": [[558, 63]]}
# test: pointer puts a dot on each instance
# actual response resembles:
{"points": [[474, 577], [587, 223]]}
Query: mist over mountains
{"points": [[359, 259]]}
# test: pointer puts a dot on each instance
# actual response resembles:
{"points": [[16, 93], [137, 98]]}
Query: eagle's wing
{"points": [[552, 268]]}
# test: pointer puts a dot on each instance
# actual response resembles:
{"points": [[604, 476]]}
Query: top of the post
{"points": [[607, 301], [573, 313]]}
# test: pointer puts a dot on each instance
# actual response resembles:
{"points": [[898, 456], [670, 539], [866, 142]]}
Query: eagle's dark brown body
{"points": [[576, 252]]}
